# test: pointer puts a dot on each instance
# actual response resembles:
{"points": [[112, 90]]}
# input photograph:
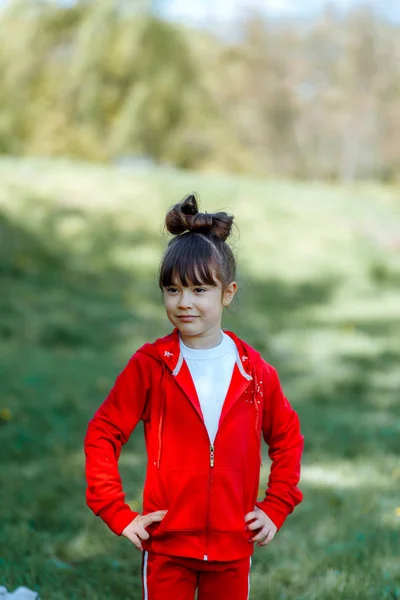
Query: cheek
{"points": [[168, 304], [215, 308]]}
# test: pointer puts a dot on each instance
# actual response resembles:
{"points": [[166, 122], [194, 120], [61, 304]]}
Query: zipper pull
{"points": [[211, 456]]}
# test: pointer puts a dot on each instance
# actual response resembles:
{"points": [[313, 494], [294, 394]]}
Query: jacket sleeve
{"points": [[107, 431], [281, 431]]}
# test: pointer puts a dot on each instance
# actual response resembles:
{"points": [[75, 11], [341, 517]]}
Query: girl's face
{"points": [[196, 311]]}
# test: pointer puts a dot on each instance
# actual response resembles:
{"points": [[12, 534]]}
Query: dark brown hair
{"points": [[199, 253]]}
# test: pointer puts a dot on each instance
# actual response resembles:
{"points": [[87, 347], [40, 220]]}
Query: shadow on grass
{"points": [[357, 413], [264, 308], [54, 297]]}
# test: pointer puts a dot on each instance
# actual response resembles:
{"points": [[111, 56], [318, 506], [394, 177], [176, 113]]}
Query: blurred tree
{"points": [[162, 89], [101, 80]]}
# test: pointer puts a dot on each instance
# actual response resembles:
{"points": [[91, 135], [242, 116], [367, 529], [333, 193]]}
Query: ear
{"points": [[229, 293]]}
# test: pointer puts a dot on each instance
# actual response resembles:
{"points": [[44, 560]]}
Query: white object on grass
{"points": [[21, 593]]}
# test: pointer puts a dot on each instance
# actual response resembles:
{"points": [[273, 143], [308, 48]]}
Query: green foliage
{"points": [[318, 296], [100, 83]]}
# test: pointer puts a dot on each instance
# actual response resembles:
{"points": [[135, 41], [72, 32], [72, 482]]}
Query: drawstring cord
{"points": [[161, 422]]}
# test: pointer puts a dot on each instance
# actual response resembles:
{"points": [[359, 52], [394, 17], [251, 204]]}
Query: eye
{"points": [[199, 290], [171, 290]]}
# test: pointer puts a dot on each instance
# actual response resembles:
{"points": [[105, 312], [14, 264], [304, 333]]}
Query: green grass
{"points": [[319, 297]]}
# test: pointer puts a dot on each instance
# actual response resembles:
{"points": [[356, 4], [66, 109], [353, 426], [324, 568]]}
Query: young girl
{"points": [[206, 398]]}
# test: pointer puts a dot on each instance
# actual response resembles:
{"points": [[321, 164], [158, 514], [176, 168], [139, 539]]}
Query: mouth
{"points": [[187, 318]]}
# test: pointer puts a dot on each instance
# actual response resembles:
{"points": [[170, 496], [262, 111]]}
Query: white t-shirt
{"points": [[211, 370]]}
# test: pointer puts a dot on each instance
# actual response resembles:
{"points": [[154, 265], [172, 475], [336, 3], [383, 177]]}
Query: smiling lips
{"points": [[187, 317]]}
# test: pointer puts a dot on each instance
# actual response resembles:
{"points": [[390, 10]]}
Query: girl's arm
{"points": [[281, 431], [109, 429]]}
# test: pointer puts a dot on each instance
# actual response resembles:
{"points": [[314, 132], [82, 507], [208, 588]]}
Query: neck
{"points": [[203, 341]]}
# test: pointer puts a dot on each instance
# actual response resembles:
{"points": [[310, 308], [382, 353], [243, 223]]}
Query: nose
{"points": [[185, 300]]}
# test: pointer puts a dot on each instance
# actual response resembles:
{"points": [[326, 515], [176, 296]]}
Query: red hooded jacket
{"points": [[207, 490]]}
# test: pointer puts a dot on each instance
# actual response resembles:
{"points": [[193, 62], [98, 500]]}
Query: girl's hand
{"points": [[267, 529], [136, 530]]}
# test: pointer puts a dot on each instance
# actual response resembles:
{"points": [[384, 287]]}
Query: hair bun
{"points": [[185, 216]]}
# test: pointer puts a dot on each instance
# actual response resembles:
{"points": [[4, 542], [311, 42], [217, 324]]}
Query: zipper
{"points": [[212, 459]]}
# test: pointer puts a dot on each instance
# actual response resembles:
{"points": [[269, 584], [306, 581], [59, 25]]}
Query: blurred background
{"points": [[286, 115]]}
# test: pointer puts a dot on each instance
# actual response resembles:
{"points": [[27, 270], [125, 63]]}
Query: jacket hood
{"points": [[167, 350]]}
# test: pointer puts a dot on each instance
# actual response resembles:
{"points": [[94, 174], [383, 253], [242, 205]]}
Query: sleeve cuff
{"points": [[118, 519], [276, 516]]}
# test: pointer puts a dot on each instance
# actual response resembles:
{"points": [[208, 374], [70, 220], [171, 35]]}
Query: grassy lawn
{"points": [[319, 297]]}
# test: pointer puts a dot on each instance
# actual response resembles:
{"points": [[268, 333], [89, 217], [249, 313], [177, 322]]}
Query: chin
{"points": [[188, 329]]}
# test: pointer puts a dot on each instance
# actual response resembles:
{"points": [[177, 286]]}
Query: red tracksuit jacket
{"points": [[207, 490]]}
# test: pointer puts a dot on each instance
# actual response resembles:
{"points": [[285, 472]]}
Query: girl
{"points": [[205, 397]]}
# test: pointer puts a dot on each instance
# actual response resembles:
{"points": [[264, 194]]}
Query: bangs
{"points": [[190, 260]]}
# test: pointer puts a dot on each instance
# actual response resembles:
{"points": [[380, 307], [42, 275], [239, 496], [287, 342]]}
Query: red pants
{"points": [[174, 578]]}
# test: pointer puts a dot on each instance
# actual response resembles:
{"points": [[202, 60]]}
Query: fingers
{"points": [[135, 540], [141, 532], [136, 530], [255, 525], [268, 539], [153, 517], [253, 514], [262, 526], [261, 535], [264, 536], [250, 516], [145, 520]]}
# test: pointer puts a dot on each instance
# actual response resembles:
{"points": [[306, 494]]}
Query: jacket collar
{"points": [[170, 352]]}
